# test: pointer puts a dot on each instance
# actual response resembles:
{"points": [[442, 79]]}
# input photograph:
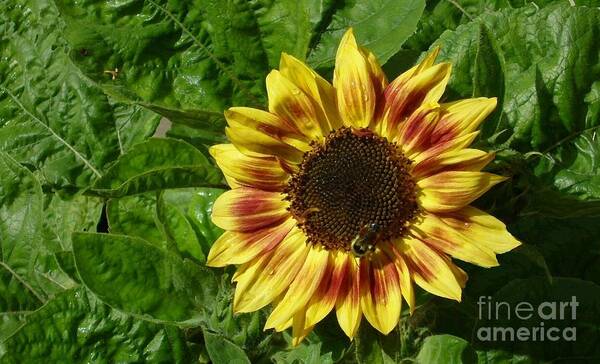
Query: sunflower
{"points": [[342, 196]]}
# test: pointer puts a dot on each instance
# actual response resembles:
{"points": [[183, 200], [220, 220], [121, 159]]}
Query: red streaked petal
{"points": [[461, 117], [238, 248], [447, 146], [404, 95], [281, 266], [256, 132], [291, 103], [459, 160], [406, 286], [248, 209], [413, 134], [430, 270], [301, 289], [326, 295], [436, 233], [264, 173], [347, 307], [478, 226], [380, 297], [452, 190], [316, 87], [353, 84]]}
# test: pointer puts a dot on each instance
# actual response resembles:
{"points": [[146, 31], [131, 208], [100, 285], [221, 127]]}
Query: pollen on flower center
{"points": [[354, 178]]}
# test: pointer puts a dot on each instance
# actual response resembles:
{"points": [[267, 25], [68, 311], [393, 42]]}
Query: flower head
{"points": [[345, 195]]}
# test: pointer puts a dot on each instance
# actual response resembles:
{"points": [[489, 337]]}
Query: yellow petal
{"points": [[347, 306], [256, 132], [462, 117], [302, 288], [352, 81], [299, 329], [439, 148], [478, 226], [326, 295], [291, 103], [316, 87], [377, 75], [282, 266], [452, 190], [431, 271], [238, 248], [413, 134], [405, 94], [436, 233], [264, 173], [248, 209], [426, 63], [406, 286], [456, 160], [380, 297]]}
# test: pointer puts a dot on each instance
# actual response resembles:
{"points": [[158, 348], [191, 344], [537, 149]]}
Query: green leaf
{"points": [[185, 218], [52, 119], [66, 262], [65, 214], [369, 348], [290, 25], [570, 247], [442, 15], [135, 216], [548, 100], [188, 63], [76, 327], [133, 124], [574, 168], [544, 91], [10, 322], [131, 274], [196, 58], [381, 26], [26, 271], [446, 349], [157, 164], [223, 351], [325, 344]]}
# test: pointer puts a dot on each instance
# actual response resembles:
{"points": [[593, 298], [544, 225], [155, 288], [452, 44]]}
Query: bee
{"points": [[365, 241]]}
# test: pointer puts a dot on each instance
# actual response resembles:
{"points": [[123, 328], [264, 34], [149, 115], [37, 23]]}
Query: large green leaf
{"points": [[381, 26], [139, 278], [65, 214], [223, 351], [442, 15], [10, 322], [185, 217], [542, 66], [133, 124], [135, 216], [546, 77], [27, 269], [185, 59], [446, 349], [53, 119], [158, 163], [76, 327], [189, 60]]}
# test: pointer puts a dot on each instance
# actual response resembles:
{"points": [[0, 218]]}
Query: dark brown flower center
{"points": [[352, 180]]}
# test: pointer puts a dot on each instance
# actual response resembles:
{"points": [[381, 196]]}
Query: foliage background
{"points": [[104, 230]]}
